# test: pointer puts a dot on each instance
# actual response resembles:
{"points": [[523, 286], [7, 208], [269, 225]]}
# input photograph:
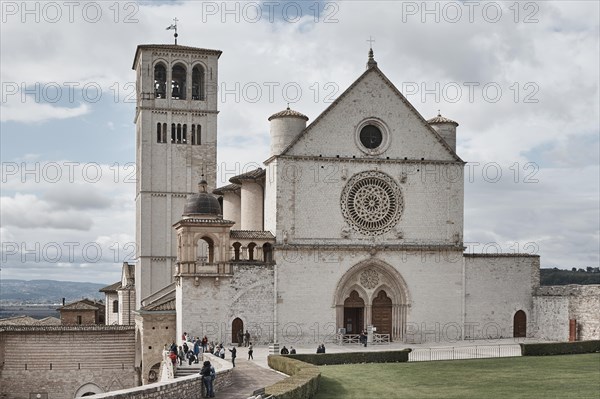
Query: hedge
{"points": [[303, 380], [304, 377], [560, 348], [320, 359]]}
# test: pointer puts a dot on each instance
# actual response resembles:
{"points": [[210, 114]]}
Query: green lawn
{"points": [[560, 377]]}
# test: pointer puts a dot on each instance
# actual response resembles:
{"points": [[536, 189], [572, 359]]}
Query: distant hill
{"points": [[46, 291], [563, 277]]}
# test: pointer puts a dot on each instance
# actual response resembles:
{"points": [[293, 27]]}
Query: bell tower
{"points": [[176, 146]]}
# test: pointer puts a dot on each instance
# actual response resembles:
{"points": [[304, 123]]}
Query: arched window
{"points": [[196, 134], [115, 306], [251, 247], [164, 133], [160, 80], [267, 252], [173, 132], [236, 250], [184, 136], [178, 133], [198, 83], [158, 133], [205, 251], [178, 86]]}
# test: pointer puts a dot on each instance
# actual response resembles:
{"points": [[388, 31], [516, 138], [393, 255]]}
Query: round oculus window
{"points": [[371, 137]]}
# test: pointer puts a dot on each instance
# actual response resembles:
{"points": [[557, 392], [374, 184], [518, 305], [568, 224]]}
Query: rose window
{"points": [[369, 279], [372, 203]]}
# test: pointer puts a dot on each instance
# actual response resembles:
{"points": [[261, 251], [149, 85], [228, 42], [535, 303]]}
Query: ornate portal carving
{"points": [[369, 279]]}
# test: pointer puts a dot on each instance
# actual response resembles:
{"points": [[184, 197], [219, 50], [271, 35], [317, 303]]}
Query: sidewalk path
{"points": [[248, 377]]}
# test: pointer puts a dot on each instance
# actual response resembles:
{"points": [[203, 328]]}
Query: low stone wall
{"points": [[189, 387]]}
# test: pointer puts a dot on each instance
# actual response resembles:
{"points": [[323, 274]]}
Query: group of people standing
{"points": [[243, 338]]}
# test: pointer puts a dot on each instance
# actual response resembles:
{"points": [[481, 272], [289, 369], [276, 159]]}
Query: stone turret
{"points": [[285, 126], [445, 128]]}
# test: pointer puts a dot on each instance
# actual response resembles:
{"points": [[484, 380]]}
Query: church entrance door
{"points": [[382, 313], [354, 310], [520, 324], [237, 331]]}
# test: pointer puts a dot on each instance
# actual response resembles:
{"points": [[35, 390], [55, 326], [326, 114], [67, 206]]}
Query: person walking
{"points": [[250, 351], [208, 376], [246, 338], [233, 355]]}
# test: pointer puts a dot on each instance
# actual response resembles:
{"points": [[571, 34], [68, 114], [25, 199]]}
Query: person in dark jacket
{"points": [[284, 350], [208, 375], [233, 355]]}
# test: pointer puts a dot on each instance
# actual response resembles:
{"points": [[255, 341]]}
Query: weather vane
{"points": [[174, 26]]}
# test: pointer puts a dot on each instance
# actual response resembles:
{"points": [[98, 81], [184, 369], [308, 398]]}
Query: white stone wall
{"points": [[308, 194], [209, 306], [308, 279], [334, 133], [497, 286], [283, 131], [232, 208], [551, 317], [583, 305], [109, 316], [126, 307], [252, 203]]}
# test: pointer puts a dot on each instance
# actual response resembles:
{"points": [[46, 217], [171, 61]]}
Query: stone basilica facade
{"points": [[355, 222]]}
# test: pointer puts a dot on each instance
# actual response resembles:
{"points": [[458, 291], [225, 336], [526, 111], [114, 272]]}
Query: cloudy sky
{"points": [[520, 78]]}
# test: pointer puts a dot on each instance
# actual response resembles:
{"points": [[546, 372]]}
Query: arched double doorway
{"points": [[372, 293]]}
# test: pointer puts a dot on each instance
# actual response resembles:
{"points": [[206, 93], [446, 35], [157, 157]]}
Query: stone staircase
{"points": [[185, 370]]}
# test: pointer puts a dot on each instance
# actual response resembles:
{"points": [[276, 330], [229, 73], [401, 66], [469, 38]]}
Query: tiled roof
{"points": [[29, 321], [49, 321], [288, 113], [164, 302], [255, 174], [84, 304], [251, 234], [229, 187], [440, 119], [18, 321], [111, 288]]}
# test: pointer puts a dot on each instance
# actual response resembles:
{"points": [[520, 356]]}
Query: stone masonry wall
{"points": [[551, 315], [209, 306], [583, 306], [57, 361], [496, 287], [188, 387]]}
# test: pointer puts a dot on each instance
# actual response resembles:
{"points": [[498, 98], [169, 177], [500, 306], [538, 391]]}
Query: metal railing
{"points": [[378, 339], [464, 352]]}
